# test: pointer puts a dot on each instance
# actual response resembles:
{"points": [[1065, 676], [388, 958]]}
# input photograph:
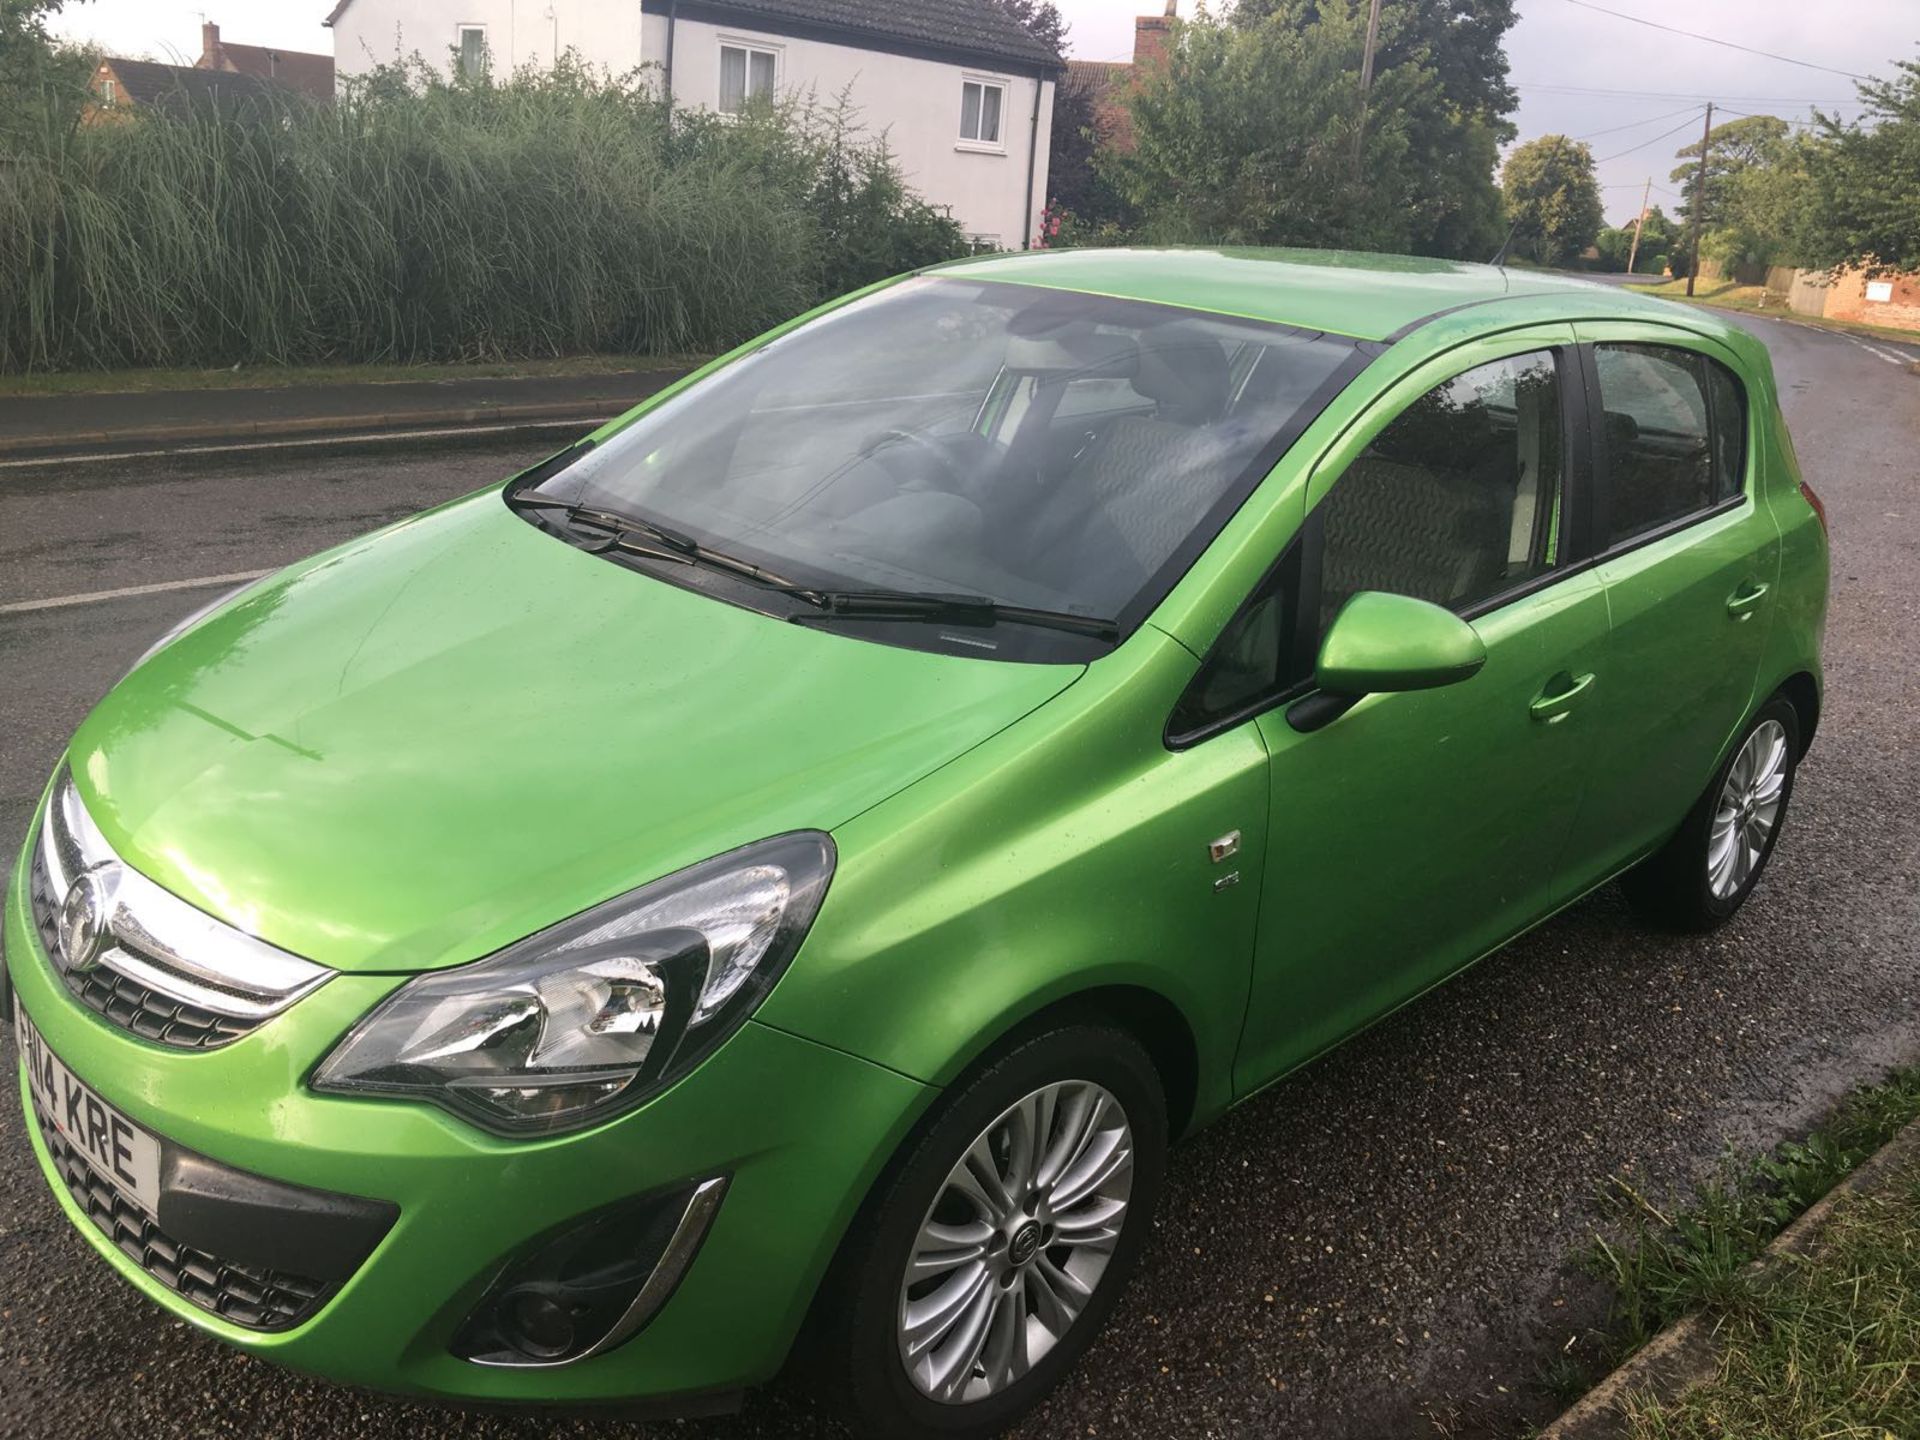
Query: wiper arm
{"points": [[671, 544], [953, 610]]}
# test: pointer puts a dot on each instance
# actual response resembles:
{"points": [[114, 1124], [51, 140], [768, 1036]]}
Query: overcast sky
{"points": [[1557, 51]]}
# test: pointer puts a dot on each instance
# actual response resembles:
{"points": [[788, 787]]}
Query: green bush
{"points": [[421, 219]]}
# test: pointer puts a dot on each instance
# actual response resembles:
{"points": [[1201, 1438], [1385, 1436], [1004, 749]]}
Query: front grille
{"points": [[150, 962], [246, 1295], [124, 1000]]}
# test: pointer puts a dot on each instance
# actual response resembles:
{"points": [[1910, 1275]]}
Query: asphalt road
{"points": [[1375, 1247]]}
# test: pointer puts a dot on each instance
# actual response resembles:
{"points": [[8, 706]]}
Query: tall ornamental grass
{"points": [[418, 219]]}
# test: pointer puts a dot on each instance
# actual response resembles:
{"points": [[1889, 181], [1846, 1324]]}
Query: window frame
{"points": [[749, 48], [1599, 500], [976, 143], [1303, 553], [460, 33]]}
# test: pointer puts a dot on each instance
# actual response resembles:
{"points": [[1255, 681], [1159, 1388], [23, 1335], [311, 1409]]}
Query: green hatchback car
{"points": [[781, 871]]}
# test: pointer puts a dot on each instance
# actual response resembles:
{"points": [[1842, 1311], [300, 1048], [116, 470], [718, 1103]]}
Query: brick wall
{"points": [[1844, 295]]}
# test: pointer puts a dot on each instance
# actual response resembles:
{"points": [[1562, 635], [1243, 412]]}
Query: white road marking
{"points": [[370, 438], [1892, 357], [93, 597]]}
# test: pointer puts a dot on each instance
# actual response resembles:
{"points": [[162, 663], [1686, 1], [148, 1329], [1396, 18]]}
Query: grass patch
{"points": [[418, 218], [276, 377], [1827, 1345], [1665, 1263]]}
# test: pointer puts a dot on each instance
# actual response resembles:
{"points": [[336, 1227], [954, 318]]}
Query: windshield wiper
{"points": [[669, 544], [624, 534], [963, 610]]}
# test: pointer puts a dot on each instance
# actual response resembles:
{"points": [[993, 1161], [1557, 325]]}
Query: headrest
{"points": [[1184, 371], [1622, 430], [1078, 350]]}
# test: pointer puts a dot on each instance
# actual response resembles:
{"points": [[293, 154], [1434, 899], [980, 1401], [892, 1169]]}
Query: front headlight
{"points": [[589, 1017]]}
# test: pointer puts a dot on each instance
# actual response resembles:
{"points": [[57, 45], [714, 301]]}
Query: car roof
{"points": [[1368, 297]]}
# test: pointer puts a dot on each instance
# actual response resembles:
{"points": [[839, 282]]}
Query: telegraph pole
{"points": [[1366, 82], [1700, 199], [1638, 221]]}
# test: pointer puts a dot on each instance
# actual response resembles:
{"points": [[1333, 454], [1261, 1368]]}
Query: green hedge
{"points": [[417, 219]]}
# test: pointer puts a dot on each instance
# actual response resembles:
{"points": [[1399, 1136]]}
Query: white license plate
{"points": [[113, 1147]]}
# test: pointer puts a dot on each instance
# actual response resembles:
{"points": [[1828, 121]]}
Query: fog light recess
{"points": [[592, 1284]]}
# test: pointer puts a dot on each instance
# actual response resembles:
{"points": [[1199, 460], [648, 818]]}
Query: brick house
{"points": [[225, 74], [302, 70], [121, 86], [1107, 81]]}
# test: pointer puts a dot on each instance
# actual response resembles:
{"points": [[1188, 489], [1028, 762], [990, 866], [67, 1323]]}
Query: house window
{"points": [[981, 102], [746, 73], [107, 92], [473, 51]]}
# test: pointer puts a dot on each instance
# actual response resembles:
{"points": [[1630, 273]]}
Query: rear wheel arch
{"points": [[1803, 693]]}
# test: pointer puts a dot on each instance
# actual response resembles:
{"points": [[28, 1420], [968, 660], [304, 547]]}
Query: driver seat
{"points": [[1139, 487]]}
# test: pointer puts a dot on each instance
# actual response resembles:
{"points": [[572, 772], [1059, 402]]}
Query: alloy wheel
{"points": [[1015, 1242], [1748, 809]]}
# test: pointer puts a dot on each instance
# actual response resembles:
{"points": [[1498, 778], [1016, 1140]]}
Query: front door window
{"points": [[1458, 499]]}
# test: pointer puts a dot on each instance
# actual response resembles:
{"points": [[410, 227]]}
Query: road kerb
{"points": [[1685, 1354], [297, 426]]}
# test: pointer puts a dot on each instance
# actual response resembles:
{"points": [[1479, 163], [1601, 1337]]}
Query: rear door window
{"points": [[1673, 436]]}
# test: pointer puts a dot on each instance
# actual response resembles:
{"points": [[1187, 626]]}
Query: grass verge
{"points": [[1664, 1263], [276, 377], [1826, 1344]]}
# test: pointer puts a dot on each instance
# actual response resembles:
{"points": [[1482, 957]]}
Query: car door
{"points": [[1418, 830], [1690, 558]]}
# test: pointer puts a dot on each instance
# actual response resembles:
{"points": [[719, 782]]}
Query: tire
{"points": [[1088, 1070], [1694, 883]]}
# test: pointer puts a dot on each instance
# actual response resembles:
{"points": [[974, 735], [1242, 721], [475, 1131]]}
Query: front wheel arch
{"points": [[1147, 1015]]}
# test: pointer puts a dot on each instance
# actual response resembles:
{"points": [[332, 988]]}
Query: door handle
{"points": [[1743, 601], [1552, 704]]}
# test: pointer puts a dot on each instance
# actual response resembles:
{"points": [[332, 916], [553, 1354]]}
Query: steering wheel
{"points": [[887, 439]]}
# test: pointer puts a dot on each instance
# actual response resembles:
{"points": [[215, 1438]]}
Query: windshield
{"points": [[1035, 448]]}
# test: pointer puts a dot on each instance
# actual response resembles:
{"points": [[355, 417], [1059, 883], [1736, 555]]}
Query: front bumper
{"points": [[801, 1130]]}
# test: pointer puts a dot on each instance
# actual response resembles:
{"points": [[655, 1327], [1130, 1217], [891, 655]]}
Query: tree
{"points": [[1863, 182], [1455, 138], [1657, 237], [1075, 182], [1552, 198], [1757, 215], [1247, 135], [1041, 19], [1731, 149], [1459, 40], [41, 83]]}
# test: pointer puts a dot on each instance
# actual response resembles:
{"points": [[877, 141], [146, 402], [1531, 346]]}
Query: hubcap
{"points": [[1016, 1241], [1748, 809]]}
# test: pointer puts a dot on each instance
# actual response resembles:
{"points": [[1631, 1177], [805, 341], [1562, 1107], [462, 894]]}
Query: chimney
{"points": [[210, 46], [1152, 35]]}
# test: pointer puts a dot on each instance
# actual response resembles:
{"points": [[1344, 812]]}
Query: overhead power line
{"points": [[1654, 141], [1795, 124], [1634, 124], [1713, 39], [1602, 93]]}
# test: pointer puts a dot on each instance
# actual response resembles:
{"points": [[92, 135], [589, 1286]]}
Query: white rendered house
{"points": [[962, 91]]}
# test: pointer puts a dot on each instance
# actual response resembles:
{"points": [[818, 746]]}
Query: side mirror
{"points": [[1381, 643]]}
